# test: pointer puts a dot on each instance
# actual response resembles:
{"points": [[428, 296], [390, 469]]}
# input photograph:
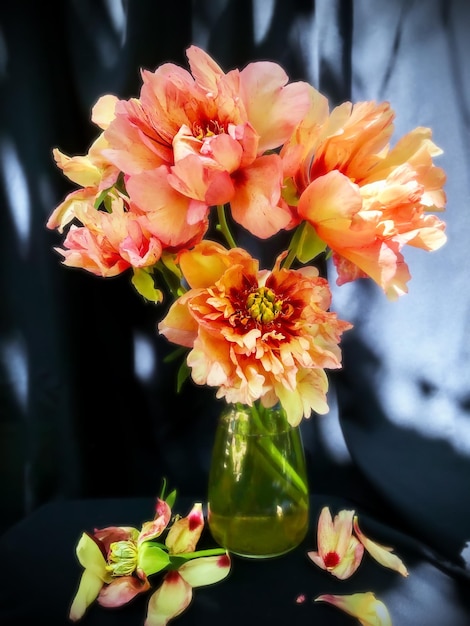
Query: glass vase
{"points": [[258, 499]]}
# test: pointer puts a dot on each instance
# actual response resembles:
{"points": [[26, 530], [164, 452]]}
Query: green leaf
{"points": [[144, 283], [171, 274], [152, 558], [183, 374], [309, 244], [175, 354], [101, 198], [170, 499]]}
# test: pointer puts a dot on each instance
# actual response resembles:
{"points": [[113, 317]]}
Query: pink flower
{"points": [[212, 130], [107, 244]]}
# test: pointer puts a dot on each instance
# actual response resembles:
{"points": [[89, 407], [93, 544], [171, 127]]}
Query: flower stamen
{"points": [[263, 306], [331, 560], [209, 129], [122, 558]]}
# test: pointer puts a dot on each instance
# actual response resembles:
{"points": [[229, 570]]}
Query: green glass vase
{"points": [[258, 499]]}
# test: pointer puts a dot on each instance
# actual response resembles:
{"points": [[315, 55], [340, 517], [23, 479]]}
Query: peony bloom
{"points": [[362, 199], [213, 131], [339, 552], [256, 334], [364, 606], [116, 562]]}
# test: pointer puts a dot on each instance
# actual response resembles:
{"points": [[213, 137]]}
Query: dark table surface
{"points": [[39, 575]]}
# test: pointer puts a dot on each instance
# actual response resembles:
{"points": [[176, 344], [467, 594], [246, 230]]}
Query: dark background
{"points": [[88, 408]]}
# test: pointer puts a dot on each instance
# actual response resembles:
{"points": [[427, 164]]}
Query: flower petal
{"points": [[382, 554], [206, 570], [122, 590], [154, 528], [339, 552], [256, 204], [88, 590], [91, 557], [185, 532], [169, 601], [364, 606]]}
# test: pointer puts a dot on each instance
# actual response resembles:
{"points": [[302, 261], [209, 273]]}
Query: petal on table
{"points": [[185, 532], [154, 528], [364, 606], [88, 590], [382, 554], [122, 590], [91, 557], [169, 601], [206, 570]]}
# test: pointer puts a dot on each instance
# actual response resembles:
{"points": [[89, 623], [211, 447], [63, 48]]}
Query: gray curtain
{"points": [[88, 407]]}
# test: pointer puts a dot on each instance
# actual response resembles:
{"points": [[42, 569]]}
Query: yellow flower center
{"points": [[209, 129], [263, 306], [122, 558]]}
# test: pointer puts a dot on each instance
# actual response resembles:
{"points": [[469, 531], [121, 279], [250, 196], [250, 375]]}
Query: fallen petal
{"points": [[169, 601], [88, 590], [205, 570], [185, 532], [154, 528], [122, 590], [90, 556], [364, 606], [382, 554]]}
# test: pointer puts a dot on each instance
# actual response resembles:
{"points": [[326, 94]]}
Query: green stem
{"points": [[222, 226], [201, 553], [274, 455], [289, 259], [172, 281], [293, 245]]}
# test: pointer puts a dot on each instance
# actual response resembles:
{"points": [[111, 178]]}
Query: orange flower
{"points": [[363, 200], [213, 131], [256, 334]]}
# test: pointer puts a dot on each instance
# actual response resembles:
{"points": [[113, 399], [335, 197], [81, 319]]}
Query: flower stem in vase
{"points": [[258, 495]]}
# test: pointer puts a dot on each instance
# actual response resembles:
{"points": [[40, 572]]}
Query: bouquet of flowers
{"points": [[196, 145], [200, 153]]}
